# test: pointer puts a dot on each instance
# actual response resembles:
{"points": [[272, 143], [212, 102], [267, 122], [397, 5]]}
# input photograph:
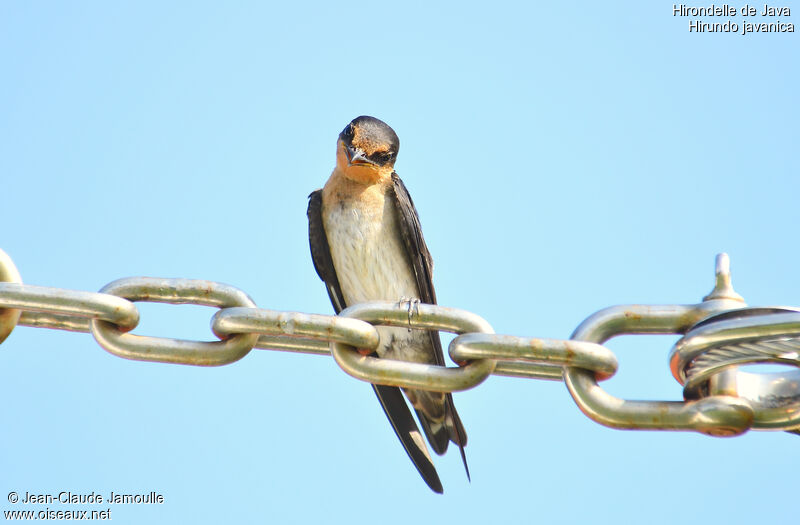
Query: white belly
{"points": [[368, 253], [371, 265]]}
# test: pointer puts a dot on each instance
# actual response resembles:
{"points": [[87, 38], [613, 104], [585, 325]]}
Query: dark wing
{"points": [[321, 253], [390, 397], [417, 250], [422, 262]]}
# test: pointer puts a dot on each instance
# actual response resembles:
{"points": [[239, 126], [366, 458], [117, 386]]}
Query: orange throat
{"points": [[361, 173]]}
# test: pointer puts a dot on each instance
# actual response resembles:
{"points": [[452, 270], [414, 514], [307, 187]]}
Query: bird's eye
{"points": [[384, 157], [348, 131]]}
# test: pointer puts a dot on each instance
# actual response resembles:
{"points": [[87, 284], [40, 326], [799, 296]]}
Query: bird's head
{"points": [[367, 149]]}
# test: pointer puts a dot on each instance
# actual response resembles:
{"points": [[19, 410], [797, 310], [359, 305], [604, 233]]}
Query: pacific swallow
{"points": [[367, 245]]}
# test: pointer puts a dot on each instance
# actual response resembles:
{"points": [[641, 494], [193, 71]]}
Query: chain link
{"points": [[9, 317], [414, 375], [580, 362]]}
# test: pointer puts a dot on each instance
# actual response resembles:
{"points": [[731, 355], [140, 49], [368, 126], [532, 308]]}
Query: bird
{"points": [[367, 245]]}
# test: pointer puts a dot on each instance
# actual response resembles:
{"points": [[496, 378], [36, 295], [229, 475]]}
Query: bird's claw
{"points": [[413, 305]]}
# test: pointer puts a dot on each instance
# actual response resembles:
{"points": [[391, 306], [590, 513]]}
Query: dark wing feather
{"points": [[396, 409], [390, 397], [417, 250], [321, 253], [422, 262]]}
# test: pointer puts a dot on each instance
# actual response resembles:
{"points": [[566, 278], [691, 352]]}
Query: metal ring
{"points": [[166, 350], [8, 316], [414, 375], [295, 331], [733, 326], [708, 358]]}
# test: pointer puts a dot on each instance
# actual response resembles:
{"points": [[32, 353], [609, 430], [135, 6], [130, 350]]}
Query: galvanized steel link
{"points": [[294, 331], [413, 375], [8, 316], [61, 305], [113, 338], [718, 415], [534, 357]]}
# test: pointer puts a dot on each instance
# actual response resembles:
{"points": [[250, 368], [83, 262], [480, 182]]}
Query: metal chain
{"points": [[580, 362]]}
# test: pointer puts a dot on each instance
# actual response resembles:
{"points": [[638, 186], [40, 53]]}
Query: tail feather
{"points": [[391, 399], [440, 431], [456, 430]]}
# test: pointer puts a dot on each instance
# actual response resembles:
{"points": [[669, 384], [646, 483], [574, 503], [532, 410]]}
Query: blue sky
{"points": [[563, 158]]}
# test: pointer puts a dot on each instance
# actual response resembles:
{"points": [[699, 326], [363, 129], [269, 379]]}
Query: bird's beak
{"points": [[357, 157]]}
